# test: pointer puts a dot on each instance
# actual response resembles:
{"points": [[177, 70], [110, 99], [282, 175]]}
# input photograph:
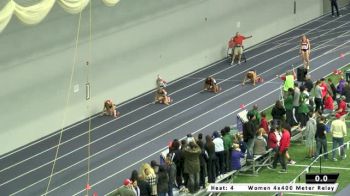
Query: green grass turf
{"points": [[298, 152]]}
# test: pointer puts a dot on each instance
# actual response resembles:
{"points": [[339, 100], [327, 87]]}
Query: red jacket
{"points": [[328, 103], [324, 88], [285, 140], [342, 106], [272, 140], [265, 125]]}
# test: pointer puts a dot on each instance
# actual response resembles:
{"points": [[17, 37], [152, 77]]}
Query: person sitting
{"points": [[160, 82], [110, 109], [260, 144], [236, 156], [211, 85], [252, 77], [341, 106], [328, 104], [238, 139], [162, 97]]}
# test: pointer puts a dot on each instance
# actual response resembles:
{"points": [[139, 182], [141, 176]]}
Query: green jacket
{"points": [[257, 117], [288, 102], [303, 108], [123, 191], [227, 141], [191, 159]]}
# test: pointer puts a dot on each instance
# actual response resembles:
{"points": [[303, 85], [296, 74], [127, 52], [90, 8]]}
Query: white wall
{"points": [[132, 43]]}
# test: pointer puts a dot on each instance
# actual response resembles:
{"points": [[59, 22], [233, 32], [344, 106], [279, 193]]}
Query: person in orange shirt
{"points": [[236, 43]]}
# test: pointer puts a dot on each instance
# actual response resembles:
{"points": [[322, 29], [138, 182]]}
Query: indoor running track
{"points": [[144, 129]]}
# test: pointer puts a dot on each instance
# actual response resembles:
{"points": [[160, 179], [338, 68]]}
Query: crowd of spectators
{"points": [[192, 163]]}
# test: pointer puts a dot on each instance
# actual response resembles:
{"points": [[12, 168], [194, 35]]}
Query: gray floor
{"points": [[144, 129]]}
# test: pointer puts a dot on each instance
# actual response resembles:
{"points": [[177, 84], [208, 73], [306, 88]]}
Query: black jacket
{"points": [[277, 113], [145, 188], [249, 130]]}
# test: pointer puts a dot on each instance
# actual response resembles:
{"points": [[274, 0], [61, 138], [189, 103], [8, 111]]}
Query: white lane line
{"points": [[170, 83], [181, 125], [152, 140], [323, 167], [230, 67], [122, 141]]}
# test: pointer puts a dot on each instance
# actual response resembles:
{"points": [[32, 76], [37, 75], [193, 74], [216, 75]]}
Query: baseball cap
{"points": [[127, 182]]}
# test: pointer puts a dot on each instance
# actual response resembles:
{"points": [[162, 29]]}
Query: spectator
{"points": [[211, 85], [328, 104], [236, 156], [192, 167], [202, 160], [162, 182], [238, 139], [310, 132], [249, 131], [135, 181], [277, 113], [341, 85], [332, 88], [227, 138], [155, 166], [182, 160], [211, 159], [272, 141], [284, 145], [346, 92], [296, 102], [171, 170], [318, 96], [149, 175], [110, 109], [260, 143], [256, 113], [287, 127], [339, 131], [237, 42], [264, 125], [303, 107], [177, 159], [341, 106], [288, 104], [308, 83], [324, 87], [281, 156], [288, 83], [321, 139], [125, 190], [219, 152]]}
